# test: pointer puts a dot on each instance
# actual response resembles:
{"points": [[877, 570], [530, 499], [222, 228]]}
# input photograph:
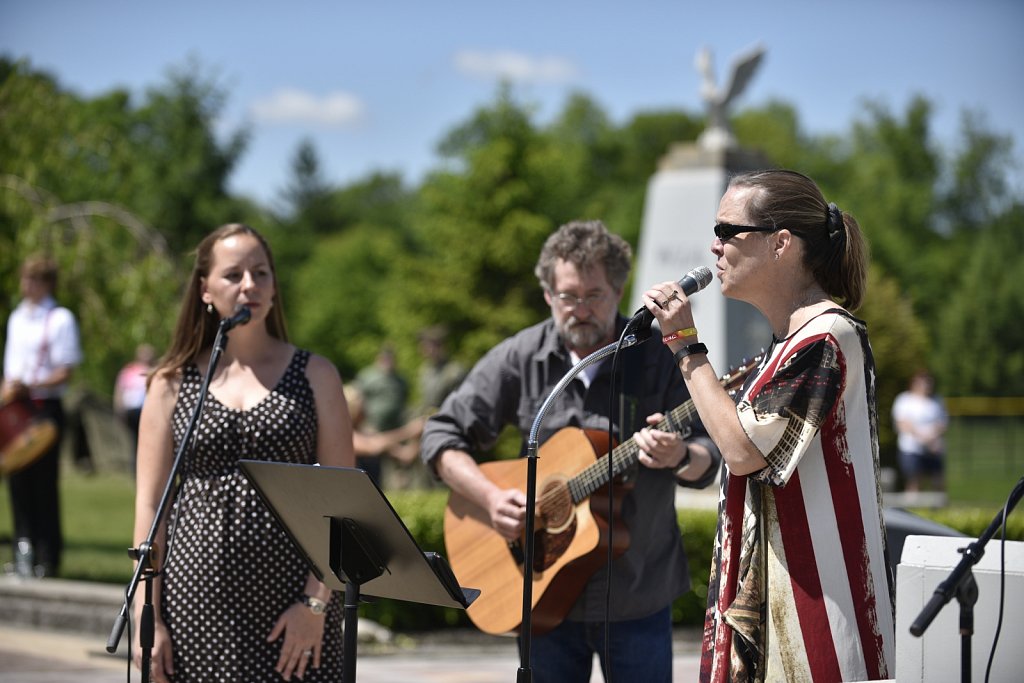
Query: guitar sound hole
{"points": [[557, 514], [555, 509]]}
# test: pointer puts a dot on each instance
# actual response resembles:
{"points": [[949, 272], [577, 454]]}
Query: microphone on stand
{"points": [[691, 283], [241, 317]]}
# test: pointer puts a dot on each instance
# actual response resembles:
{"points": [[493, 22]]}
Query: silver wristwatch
{"points": [[315, 605]]}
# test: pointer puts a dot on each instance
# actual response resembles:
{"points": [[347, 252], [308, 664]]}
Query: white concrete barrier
{"points": [[935, 657]]}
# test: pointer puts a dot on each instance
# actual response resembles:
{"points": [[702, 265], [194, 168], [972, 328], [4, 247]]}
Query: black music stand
{"points": [[353, 540]]}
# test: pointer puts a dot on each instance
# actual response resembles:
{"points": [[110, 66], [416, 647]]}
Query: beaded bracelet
{"points": [[679, 334], [689, 349]]}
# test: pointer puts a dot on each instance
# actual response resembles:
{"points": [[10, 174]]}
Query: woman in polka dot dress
{"points": [[235, 601]]}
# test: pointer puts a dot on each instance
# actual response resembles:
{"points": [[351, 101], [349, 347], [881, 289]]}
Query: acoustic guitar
{"points": [[571, 525]]}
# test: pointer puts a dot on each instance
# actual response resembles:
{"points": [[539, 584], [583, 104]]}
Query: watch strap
{"points": [[688, 350], [684, 463]]}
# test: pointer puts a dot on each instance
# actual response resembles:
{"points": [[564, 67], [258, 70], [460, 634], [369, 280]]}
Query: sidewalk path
{"points": [[38, 656]]}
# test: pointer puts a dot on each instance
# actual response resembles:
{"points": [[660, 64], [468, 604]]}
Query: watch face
{"points": [[316, 606]]}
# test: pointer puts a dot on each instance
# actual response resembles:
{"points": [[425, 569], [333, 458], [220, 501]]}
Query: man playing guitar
{"points": [[582, 270]]}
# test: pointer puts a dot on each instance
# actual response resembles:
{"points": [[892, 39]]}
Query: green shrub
{"points": [[698, 528], [973, 521]]}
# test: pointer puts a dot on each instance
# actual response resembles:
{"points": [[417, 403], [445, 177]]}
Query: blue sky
{"points": [[376, 84]]}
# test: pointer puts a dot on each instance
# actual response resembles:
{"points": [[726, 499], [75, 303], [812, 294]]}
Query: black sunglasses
{"points": [[726, 231]]}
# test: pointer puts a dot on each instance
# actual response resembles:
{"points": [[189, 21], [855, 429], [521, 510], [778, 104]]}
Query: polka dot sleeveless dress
{"points": [[232, 571]]}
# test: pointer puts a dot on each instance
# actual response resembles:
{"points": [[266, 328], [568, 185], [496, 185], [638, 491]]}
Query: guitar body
{"points": [[570, 539]]}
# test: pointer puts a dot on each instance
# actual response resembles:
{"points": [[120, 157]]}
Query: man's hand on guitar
{"points": [[659, 449], [507, 509]]}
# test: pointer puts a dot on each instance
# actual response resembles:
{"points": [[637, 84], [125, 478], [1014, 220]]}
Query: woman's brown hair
{"points": [[836, 253]]}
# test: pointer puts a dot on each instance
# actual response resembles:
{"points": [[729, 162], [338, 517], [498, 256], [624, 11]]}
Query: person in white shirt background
{"points": [[921, 423], [40, 355]]}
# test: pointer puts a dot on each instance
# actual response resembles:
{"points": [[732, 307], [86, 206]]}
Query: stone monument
{"points": [[679, 214]]}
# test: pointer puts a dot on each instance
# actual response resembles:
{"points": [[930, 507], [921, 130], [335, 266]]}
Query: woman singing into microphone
{"points": [[800, 585], [234, 600]]}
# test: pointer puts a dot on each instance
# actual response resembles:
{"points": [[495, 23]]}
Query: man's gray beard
{"points": [[583, 335]]}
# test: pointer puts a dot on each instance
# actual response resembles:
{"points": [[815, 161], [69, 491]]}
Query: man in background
{"points": [[921, 423], [41, 354], [383, 394]]}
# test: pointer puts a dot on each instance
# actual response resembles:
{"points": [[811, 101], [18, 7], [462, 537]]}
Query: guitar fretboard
{"points": [[626, 455]]}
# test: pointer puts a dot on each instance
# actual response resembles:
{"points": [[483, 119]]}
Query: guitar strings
{"points": [[592, 477]]}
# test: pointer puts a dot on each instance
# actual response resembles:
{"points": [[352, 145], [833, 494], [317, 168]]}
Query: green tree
{"points": [[977, 188], [330, 280], [891, 179], [930, 215], [308, 193], [114, 193], [899, 341], [479, 230], [116, 273], [339, 293], [379, 199], [979, 336], [181, 180], [774, 130]]}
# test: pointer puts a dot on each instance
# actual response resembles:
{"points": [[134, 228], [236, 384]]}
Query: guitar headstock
{"points": [[733, 380]]}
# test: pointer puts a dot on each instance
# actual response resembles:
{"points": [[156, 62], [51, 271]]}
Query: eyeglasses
{"points": [[726, 231], [569, 302]]}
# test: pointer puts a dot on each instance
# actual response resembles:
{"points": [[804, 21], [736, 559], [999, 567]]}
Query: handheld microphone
{"points": [[691, 283], [241, 317]]}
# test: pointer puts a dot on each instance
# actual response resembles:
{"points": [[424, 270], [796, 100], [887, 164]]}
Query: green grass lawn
{"points": [[985, 460], [97, 513]]}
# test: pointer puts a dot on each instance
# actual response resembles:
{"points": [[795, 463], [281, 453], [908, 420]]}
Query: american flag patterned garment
{"points": [[800, 585]]}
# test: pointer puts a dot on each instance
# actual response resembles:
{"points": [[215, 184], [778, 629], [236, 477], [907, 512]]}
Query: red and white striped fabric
{"points": [[800, 584]]}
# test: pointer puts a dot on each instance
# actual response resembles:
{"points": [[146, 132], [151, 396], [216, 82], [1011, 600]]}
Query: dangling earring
{"points": [[209, 307]]}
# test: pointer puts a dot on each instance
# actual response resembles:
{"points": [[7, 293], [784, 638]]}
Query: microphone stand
{"points": [[525, 673], [147, 566], [960, 582]]}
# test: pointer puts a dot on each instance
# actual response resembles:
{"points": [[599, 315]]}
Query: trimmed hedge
{"points": [[974, 521], [423, 514]]}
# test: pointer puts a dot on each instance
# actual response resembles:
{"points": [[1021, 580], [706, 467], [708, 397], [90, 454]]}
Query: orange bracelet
{"points": [[679, 334]]}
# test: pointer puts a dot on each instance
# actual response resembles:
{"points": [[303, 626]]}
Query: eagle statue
{"points": [[718, 135]]}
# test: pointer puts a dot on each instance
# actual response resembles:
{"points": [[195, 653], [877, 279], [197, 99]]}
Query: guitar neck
{"points": [[626, 455]]}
